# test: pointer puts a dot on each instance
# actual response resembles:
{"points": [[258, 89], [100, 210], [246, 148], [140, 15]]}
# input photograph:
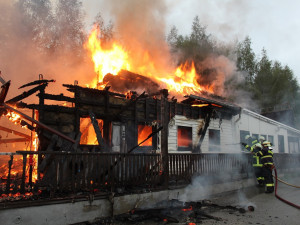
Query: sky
{"points": [[271, 24]]}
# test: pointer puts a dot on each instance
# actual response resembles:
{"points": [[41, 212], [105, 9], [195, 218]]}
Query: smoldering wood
{"points": [[127, 80], [26, 94], [73, 88], [60, 97], [10, 162], [4, 91]]}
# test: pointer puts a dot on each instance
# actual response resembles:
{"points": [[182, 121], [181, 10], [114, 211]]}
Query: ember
{"points": [[175, 211]]}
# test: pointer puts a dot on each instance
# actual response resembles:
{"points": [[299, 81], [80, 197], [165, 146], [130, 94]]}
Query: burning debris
{"points": [[174, 211]]}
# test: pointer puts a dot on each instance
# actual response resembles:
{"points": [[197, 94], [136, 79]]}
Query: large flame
{"points": [[111, 58], [106, 61]]}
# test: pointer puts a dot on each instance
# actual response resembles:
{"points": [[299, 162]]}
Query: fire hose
{"points": [[277, 196]]}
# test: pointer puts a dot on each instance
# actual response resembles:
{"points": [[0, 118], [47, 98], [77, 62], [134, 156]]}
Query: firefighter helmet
{"points": [[266, 144], [247, 137], [258, 145]]}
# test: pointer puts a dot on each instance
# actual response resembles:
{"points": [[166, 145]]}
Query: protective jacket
{"points": [[266, 156]]}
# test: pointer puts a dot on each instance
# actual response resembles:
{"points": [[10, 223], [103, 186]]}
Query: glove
{"points": [[244, 144]]}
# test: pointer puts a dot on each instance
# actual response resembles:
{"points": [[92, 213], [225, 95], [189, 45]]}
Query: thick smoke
{"points": [[140, 24], [34, 41]]}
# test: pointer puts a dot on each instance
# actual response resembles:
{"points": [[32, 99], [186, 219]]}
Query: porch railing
{"points": [[70, 172]]}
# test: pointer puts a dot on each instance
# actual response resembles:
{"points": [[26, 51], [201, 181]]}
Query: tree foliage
{"points": [[196, 46], [271, 84]]}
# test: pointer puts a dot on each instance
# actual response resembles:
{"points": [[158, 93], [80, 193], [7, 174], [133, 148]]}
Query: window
{"points": [[265, 136], [281, 143], [88, 134], [214, 140], [143, 132], [184, 138], [293, 144], [255, 136], [243, 134], [271, 139]]}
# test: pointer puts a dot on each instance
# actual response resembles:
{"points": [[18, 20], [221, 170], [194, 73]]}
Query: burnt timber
{"points": [[115, 107]]}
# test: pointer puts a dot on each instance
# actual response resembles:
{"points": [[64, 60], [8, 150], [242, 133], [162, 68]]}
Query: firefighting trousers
{"points": [[259, 175], [267, 173]]}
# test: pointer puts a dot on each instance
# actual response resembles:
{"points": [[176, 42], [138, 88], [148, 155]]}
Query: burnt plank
{"points": [[26, 94]]}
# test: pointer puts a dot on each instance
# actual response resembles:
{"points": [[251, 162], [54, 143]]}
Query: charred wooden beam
{"points": [[39, 124], [10, 162], [36, 82], [72, 88], [203, 130], [8, 130], [23, 174], [4, 91], [164, 136], [98, 132], [52, 108], [26, 94], [60, 97]]}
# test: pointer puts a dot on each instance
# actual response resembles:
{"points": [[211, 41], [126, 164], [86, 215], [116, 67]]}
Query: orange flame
{"points": [[106, 60], [188, 209], [113, 57]]}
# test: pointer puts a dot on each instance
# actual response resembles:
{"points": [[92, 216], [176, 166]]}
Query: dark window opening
{"points": [[281, 143], [271, 139], [184, 138], [214, 140], [293, 144]]}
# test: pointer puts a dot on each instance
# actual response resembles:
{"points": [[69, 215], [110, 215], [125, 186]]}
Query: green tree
{"points": [[246, 60], [274, 84]]}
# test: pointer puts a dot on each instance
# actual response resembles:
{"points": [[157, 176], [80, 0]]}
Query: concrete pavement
{"points": [[268, 209]]}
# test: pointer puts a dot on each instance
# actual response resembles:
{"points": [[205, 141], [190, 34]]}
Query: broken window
{"points": [[184, 138], [214, 140], [88, 135]]}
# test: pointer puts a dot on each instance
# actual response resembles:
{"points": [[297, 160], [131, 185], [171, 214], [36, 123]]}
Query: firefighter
{"points": [[266, 156], [253, 146], [261, 139]]}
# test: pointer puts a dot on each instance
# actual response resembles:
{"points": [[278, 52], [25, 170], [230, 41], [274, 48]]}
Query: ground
{"points": [[267, 208]]}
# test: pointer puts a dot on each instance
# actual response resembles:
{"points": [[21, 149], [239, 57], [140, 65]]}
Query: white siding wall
{"points": [[181, 121], [230, 131], [257, 124]]}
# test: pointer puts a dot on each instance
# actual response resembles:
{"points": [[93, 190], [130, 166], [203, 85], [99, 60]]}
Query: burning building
{"points": [[131, 130]]}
